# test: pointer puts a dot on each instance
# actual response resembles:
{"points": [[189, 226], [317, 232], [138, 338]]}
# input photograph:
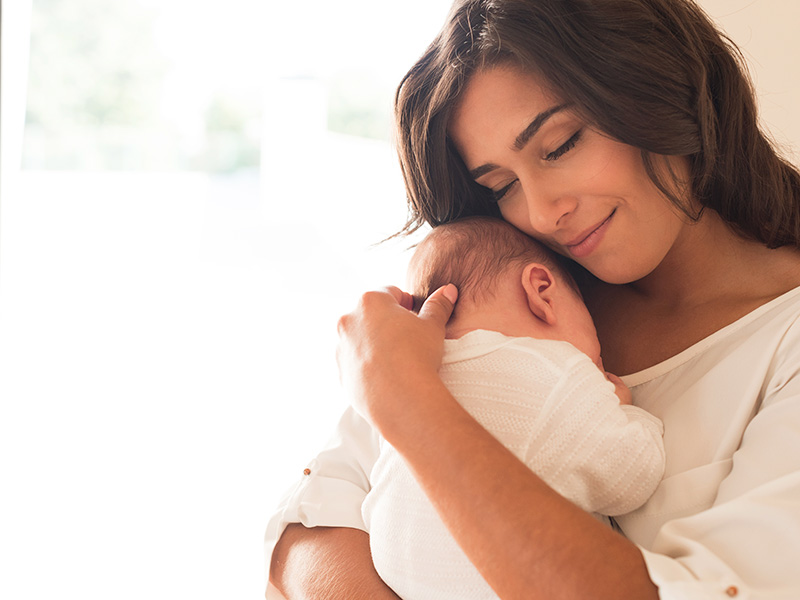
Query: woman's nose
{"points": [[548, 208]]}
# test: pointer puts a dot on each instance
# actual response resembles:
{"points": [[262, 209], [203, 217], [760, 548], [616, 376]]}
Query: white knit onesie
{"points": [[553, 408]]}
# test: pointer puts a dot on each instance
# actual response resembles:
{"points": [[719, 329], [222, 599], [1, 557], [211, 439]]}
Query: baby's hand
{"points": [[623, 393]]}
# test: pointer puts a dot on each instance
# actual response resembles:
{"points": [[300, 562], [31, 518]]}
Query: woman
{"points": [[623, 134]]}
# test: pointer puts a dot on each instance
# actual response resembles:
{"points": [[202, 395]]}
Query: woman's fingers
{"points": [[370, 302], [384, 346], [439, 305], [404, 299]]}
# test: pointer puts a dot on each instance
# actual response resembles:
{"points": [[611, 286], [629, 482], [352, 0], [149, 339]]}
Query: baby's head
{"points": [[473, 253], [506, 282]]}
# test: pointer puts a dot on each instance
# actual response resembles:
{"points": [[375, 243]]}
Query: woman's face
{"points": [[580, 192]]}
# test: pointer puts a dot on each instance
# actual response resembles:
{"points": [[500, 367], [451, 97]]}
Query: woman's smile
{"points": [[587, 242]]}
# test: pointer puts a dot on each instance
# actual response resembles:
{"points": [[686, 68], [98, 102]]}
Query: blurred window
{"points": [[202, 190]]}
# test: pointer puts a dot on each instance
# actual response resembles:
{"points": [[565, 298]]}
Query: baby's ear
{"points": [[538, 283]]}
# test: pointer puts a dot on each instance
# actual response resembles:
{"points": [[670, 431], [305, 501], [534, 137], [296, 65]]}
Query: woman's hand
{"points": [[383, 347]]}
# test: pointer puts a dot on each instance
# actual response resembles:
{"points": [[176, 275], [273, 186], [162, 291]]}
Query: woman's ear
{"points": [[538, 283]]}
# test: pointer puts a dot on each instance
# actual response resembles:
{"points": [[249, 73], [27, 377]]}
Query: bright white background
{"points": [[167, 339]]}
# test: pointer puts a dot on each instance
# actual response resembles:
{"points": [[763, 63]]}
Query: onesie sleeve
{"points": [[333, 485], [605, 457]]}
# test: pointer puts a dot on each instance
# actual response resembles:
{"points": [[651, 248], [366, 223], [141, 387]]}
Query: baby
{"points": [[522, 357]]}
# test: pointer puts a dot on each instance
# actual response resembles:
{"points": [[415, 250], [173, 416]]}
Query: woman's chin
{"points": [[616, 275]]}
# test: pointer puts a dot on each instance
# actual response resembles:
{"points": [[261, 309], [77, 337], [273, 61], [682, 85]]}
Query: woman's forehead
{"points": [[507, 81], [500, 100]]}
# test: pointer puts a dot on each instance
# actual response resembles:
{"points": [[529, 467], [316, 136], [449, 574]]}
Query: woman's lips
{"points": [[587, 243]]}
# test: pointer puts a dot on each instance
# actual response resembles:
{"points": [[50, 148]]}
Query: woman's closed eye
{"points": [[498, 195], [565, 147]]}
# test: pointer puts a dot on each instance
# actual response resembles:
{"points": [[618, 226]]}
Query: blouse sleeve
{"points": [[747, 544], [333, 485]]}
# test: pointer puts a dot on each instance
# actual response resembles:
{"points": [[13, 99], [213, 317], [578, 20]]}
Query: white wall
{"points": [[767, 33]]}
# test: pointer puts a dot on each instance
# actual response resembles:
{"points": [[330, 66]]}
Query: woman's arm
{"points": [[326, 562], [327, 498], [525, 539]]}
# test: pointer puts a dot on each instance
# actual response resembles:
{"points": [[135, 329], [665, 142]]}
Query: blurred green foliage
{"points": [[94, 87], [358, 105], [95, 94], [99, 83], [233, 132]]}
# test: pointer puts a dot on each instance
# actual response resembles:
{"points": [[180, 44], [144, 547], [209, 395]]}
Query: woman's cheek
{"points": [[515, 211]]}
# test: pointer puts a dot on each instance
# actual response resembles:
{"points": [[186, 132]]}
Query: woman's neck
{"points": [[710, 262], [711, 278]]}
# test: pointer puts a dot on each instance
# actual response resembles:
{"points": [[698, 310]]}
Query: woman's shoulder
{"points": [[639, 328]]}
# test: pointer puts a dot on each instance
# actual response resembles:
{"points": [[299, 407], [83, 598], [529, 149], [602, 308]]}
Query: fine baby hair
{"points": [[472, 253]]}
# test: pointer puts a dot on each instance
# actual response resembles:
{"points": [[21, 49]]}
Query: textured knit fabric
{"points": [[553, 408]]}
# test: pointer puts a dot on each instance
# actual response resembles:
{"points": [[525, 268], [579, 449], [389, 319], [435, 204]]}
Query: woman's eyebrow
{"points": [[523, 138], [534, 126], [478, 172]]}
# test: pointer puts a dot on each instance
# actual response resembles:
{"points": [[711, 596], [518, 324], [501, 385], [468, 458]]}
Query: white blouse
{"points": [[724, 522]]}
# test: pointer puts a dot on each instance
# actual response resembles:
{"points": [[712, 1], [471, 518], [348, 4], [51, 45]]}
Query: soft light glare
{"points": [[167, 338]]}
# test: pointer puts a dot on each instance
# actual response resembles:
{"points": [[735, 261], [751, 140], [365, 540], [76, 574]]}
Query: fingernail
{"points": [[450, 292]]}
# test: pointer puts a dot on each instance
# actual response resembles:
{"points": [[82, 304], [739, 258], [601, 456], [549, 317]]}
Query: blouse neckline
{"points": [[667, 365]]}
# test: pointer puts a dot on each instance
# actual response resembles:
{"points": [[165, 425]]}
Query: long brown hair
{"points": [[654, 74]]}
